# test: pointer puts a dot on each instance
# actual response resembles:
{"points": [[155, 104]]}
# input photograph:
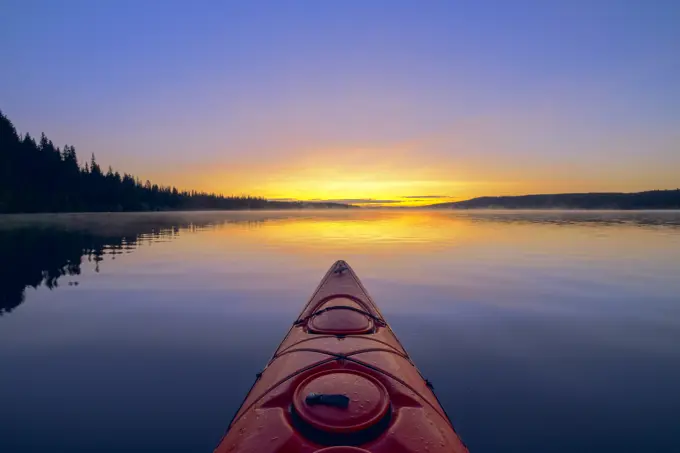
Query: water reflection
{"points": [[43, 249], [42, 255], [51, 249], [542, 331]]}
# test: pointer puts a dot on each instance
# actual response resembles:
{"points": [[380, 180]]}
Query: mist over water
{"points": [[541, 331]]}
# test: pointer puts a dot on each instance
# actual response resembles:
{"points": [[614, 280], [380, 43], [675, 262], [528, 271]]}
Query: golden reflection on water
{"points": [[465, 250], [482, 254], [370, 229], [431, 231]]}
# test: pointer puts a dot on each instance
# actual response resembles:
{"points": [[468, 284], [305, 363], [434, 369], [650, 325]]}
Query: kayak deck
{"points": [[340, 381]]}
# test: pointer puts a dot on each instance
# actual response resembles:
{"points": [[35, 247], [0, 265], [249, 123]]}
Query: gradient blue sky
{"points": [[355, 99]]}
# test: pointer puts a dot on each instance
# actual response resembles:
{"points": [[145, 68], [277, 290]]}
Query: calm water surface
{"points": [[542, 331]]}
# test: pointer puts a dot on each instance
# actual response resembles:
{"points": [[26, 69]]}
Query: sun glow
{"points": [[387, 175]]}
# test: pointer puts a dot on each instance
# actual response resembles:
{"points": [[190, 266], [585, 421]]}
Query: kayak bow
{"points": [[340, 382]]}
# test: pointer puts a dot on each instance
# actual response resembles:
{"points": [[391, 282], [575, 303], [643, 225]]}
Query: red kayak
{"points": [[340, 382]]}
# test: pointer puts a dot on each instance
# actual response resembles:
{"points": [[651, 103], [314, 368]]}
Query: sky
{"points": [[374, 102]]}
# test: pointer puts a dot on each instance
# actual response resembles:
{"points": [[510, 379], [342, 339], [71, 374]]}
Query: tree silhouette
{"points": [[38, 177]]}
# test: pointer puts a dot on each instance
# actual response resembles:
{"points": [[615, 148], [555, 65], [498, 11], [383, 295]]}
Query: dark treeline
{"points": [[653, 199], [36, 176]]}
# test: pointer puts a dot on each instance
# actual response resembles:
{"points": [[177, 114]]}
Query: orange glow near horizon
{"points": [[478, 158], [384, 187], [362, 188]]}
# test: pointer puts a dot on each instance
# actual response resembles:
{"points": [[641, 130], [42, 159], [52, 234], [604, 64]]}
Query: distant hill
{"points": [[653, 199]]}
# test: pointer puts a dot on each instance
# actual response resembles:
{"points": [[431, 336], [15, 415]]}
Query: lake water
{"points": [[541, 331]]}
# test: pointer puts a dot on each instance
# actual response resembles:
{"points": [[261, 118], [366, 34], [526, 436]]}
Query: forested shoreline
{"points": [[36, 176], [652, 199]]}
